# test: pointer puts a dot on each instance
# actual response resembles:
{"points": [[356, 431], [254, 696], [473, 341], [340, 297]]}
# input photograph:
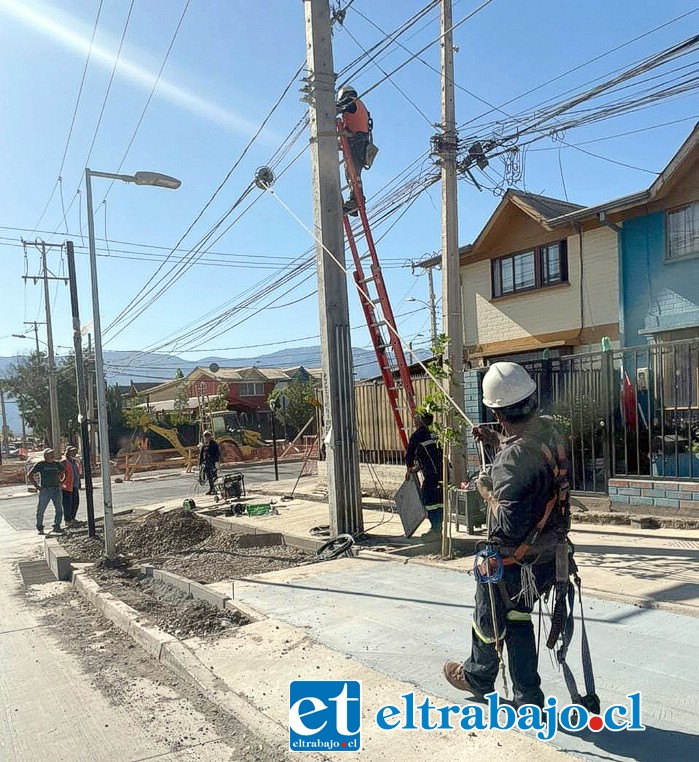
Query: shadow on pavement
{"points": [[649, 745]]}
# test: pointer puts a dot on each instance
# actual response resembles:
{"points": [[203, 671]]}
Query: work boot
{"points": [[350, 207], [40, 530], [454, 673], [432, 533], [57, 529]]}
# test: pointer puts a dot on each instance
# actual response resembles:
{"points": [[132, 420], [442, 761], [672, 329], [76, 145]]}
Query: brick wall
{"points": [[661, 493], [473, 409]]}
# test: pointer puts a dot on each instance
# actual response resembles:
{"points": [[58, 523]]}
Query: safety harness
{"points": [[547, 540]]}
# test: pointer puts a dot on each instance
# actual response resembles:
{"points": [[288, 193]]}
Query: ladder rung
{"points": [[366, 280]]}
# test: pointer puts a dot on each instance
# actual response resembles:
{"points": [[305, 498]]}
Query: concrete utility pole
{"points": [[447, 144], [427, 266], [338, 380], [53, 388], [53, 381], [80, 382]]}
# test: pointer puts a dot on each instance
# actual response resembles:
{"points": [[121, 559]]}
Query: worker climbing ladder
{"points": [[378, 312]]}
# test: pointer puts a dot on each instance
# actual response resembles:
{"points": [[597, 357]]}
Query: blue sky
{"points": [[228, 65]]}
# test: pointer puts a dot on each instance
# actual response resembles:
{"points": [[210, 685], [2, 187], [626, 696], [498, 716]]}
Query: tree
{"points": [[293, 403], [27, 381], [182, 412], [220, 401]]}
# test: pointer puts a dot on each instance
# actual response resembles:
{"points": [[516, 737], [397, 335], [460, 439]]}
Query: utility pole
{"points": [[447, 145], [35, 328], [338, 377], [80, 380], [5, 427], [427, 267], [53, 388]]}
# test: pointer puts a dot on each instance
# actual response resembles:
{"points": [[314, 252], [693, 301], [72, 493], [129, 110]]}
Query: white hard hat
{"points": [[505, 384], [347, 90]]}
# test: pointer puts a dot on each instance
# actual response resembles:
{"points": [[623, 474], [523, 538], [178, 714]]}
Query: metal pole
{"points": [[338, 378], [274, 446], [53, 390], [102, 423], [80, 380], [433, 307], [5, 428]]}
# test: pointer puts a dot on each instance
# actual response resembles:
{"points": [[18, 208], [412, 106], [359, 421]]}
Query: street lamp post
{"points": [[140, 178], [433, 314]]}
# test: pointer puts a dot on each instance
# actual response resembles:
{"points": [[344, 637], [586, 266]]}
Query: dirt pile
{"points": [[162, 534]]}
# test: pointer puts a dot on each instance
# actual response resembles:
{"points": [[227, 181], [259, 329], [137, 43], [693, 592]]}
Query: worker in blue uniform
{"points": [[425, 454]]}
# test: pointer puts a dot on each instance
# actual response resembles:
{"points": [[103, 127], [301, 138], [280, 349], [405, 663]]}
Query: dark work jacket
{"points": [[209, 454], [424, 448], [523, 483]]}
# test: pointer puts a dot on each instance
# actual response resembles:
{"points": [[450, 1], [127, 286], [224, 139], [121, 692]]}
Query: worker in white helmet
{"points": [[518, 498]]}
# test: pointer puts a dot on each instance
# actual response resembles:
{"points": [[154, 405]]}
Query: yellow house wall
{"points": [[547, 310]]}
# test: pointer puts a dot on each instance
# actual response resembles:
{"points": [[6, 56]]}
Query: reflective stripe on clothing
{"points": [[518, 616]]}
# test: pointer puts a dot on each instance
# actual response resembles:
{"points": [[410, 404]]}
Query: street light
{"points": [[140, 178], [433, 315]]}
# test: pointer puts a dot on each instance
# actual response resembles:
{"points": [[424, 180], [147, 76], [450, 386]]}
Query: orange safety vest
{"points": [[357, 122]]}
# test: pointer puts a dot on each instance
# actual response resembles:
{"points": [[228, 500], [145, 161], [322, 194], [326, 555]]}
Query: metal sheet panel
{"points": [[409, 506]]}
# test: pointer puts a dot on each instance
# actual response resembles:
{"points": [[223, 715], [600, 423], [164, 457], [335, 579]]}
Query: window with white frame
{"points": [[252, 390], [682, 228]]}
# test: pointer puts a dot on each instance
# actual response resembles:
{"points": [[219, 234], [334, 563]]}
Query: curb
{"points": [[181, 660]]}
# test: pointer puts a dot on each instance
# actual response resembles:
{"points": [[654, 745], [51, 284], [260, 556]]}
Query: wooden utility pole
{"points": [[82, 391], [338, 377], [5, 427], [451, 283], [53, 381]]}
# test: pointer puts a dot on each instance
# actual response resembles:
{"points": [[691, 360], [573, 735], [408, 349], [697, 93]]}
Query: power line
{"points": [[151, 93], [104, 104], [130, 306], [72, 121]]}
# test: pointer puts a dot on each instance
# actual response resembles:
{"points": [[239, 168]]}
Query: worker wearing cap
{"points": [[209, 456], [355, 121], [51, 474], [523, 483], [71, 486]]}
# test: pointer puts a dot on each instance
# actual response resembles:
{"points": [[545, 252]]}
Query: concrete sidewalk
{"points": [[402, 621]]}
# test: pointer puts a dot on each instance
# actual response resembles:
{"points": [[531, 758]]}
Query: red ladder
{"points": [[378, 312]]}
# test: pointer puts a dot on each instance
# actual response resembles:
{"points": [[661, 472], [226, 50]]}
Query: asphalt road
{"points": [[19, 510]]}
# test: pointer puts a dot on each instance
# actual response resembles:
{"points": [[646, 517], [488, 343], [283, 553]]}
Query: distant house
{"points": [[248, 388]]}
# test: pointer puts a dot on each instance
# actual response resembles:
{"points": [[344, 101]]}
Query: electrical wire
{"points": [[130, 307], [151, 93]]}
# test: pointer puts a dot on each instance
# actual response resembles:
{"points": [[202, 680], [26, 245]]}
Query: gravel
{"points": [[174, 712], [168, 607]]}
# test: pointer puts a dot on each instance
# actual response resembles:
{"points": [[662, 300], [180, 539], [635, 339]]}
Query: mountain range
{"points": [[125, 366]]}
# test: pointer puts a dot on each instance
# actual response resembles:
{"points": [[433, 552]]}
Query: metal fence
{"points": [[627, 412]]}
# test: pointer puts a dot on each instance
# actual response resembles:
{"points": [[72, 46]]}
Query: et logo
{"points": [[325, 715]]}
